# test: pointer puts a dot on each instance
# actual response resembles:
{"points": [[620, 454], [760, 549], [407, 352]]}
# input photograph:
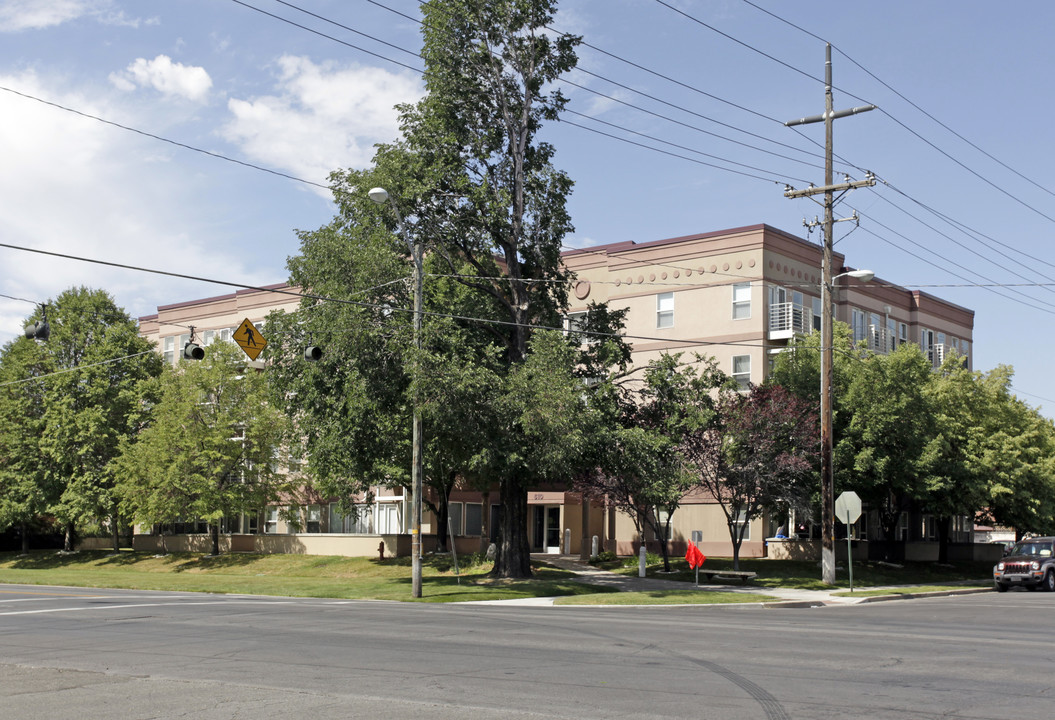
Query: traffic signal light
{"points": [[38, 331], [313, 353], [193, 351]]}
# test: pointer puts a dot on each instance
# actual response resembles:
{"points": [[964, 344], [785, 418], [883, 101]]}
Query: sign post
{"points": [[847, 510]]}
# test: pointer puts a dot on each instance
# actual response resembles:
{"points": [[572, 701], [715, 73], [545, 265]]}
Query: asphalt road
{"points": [[82, 654]]}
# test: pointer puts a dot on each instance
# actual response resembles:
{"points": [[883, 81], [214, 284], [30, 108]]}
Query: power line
{"points": [[903, 97], [74, 369], [218, 156]]}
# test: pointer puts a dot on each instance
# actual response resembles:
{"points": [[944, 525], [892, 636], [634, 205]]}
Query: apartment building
{"points": [[736, 295], [740, 296]]}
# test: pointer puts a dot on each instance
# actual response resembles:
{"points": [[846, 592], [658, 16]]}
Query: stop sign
{"points": [[848, 507]]}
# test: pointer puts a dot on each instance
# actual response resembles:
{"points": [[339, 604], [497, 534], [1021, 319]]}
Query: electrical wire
{"points": [[907, 100], [74, 369]]}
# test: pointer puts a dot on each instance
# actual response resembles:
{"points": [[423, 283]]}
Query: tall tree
{"points": [[886, 439], [955, 479], [25, 494], [1013, 450], [475, 186], [486, 192], [95, 368], [210, 450], [88, 413]]}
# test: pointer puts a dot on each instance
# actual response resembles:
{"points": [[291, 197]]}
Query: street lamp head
{"points": [[862, 275], [379, 195]]}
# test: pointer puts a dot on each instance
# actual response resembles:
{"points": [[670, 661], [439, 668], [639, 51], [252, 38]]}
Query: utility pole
{"points": [[829, 189]]}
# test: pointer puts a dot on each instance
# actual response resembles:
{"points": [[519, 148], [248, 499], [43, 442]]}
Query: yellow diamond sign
{"points": [[250, 339]]}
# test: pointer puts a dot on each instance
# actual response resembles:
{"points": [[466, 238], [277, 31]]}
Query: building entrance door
{"points": [[546, 535]]}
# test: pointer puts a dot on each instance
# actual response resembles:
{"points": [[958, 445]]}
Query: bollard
{"points": [[641, 562], [593, 547], [567, 541]]}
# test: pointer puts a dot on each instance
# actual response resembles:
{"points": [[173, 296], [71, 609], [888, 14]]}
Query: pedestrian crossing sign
{"points": [[250, 339]]}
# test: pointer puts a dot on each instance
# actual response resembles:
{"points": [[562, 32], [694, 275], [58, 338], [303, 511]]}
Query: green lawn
{"points": [[283, 575], [369, 578]]}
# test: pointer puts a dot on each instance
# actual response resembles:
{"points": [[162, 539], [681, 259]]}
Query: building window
{"points": [[741, 301], [170, 349], [474, 518], [665, 310], [818, 314], [742, 371], [902, 331], [389, 519], [271, 520], [662, 518], [859, 325], [574, 322], [454, 518], [313, 518], [741, 522]]}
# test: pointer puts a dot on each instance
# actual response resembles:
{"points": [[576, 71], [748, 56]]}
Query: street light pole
{"points": [[827, 396], [380, 196]]}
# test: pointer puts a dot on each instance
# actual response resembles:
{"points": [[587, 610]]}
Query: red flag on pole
{"points": [[694, 557]]}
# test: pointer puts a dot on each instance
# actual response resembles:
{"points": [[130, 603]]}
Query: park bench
{"points": [[744, 575]]}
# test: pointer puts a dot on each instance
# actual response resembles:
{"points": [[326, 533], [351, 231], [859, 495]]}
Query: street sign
{"points": [[249, 339], [848, 507]]}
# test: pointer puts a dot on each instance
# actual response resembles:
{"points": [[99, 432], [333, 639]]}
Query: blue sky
{"points": [[966, 216]]}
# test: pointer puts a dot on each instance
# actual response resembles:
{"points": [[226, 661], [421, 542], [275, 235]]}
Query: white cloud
{"points": [[77, 186], [168, 78], [19, 15], [325, 116]]}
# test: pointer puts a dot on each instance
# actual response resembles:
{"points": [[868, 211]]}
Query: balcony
{"points": [[786, 320], [880, 340]]}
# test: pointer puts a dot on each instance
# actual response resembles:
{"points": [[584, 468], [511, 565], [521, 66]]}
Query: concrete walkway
{"points": [[785, 597]]}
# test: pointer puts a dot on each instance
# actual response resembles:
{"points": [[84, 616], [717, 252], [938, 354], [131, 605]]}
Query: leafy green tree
{"points": [[885, 441], [88, 413], [1013, 450], [640, 458], [94, 369], [956, 479], [24, 491], [477, 188], [210, 450]]}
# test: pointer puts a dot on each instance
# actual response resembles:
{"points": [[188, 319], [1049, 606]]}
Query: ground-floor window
{"points": [[360, 521], [741, 522], [473, 519], [454, 518]]}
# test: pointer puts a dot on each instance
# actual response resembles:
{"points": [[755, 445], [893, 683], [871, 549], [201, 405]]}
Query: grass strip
{"points": [[353, 578]]}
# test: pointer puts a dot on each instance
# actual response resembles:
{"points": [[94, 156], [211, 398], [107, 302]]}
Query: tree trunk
{"points": [[889, 522], [214, 532], [25, 539], [115, 533], [67, 543], [944, 527], [513, 559], [737, 536]]}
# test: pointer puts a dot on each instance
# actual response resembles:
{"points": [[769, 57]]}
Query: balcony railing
{"points": [[788, 319]]}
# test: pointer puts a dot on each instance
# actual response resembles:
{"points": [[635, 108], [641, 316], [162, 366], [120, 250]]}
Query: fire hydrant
{"points": [[381, 550]]}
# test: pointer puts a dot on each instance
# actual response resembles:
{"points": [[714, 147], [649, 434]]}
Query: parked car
{"points": [[1029, 563]]}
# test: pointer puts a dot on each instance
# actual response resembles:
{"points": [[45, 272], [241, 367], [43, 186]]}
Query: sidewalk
{"points": [[785, 597]]}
